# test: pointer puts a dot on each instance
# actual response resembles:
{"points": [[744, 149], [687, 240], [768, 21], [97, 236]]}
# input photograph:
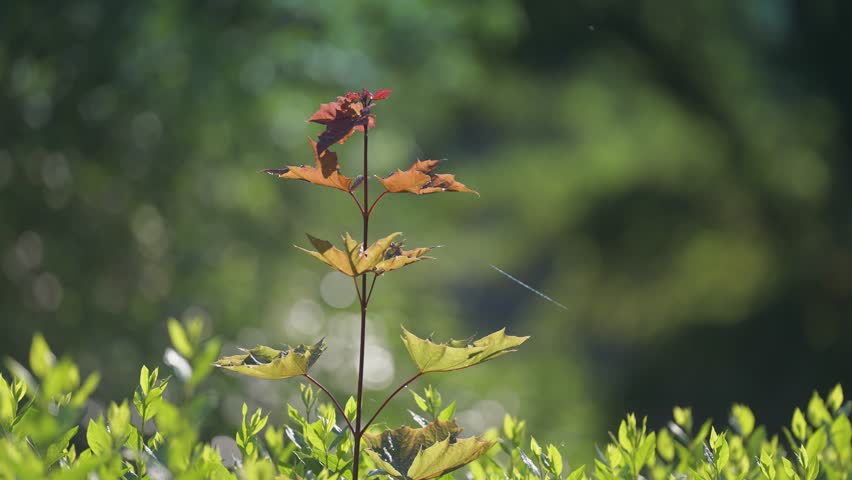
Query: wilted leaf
{"points": [[435, 357], [272, 364], [423, 453], [341, 119], [326, 173], [420, 180]]}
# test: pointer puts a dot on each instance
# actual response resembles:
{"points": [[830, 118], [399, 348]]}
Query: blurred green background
{"points": [[675, 173]]}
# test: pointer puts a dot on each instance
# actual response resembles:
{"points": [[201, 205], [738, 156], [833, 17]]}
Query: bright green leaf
{"points": [[420, 401], [269, 363], [350, 409], [742, 419], [555, 460], [179, 339], [645, 452], [834, 400], [818, 415], [799, 425], [683, 417], [449, 412], [841, 437], [816, 443], [99, 439], [119, 422], [57, 449], [432, 357], [578, 474], [41, 358]]}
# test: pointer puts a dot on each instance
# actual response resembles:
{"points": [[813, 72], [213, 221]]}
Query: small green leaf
{"points": [[788, 468], [834, 400], [578, 474], [350, 409], [271, 364], [41, 358], [57, 449], [432, 357], [8, 405], [683, 417], [742, 419], [841, 437], [179, 339], [816, 443], [799, 425], [665, 445], [624, 437], [420, 401], [535, 448], [555, 460], [143, 380], [723, 454], [449, 412], [119, 422], [78, 399], [100, 441], [818, 415], [645, 452]]}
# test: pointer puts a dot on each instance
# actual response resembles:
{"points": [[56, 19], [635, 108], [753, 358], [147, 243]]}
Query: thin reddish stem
{"points": [[358, 291], [360, 208], [361, 349], [370, 293], [333, 400], [376, 201], [387, 400]]}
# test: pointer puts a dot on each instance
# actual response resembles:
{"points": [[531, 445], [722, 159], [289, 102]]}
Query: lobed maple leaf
{"points": [[326, 173], [342, 118], [271, 364], [420, 180], [423, 453], [382, 256]]}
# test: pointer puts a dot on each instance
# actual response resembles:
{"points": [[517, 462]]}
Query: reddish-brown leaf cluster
{"points": [[349, 113], [420, 180]]}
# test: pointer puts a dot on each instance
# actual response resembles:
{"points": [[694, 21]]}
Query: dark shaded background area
{"points": [[677, 175]]}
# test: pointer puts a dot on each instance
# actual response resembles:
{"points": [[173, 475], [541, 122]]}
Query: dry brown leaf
{"points": [[420, 180], [326, 173]]}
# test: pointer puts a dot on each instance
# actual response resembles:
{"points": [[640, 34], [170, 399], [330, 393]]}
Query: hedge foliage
{"points": [[155, 434]]}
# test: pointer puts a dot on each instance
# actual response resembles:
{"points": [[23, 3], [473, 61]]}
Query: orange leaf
{"points": [[420, 180], [326, 173]]}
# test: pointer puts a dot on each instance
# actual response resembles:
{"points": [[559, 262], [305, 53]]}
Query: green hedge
{"points": [[42, 407]]}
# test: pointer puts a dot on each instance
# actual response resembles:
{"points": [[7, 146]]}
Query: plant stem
{"points": [[366, 216], [334, 400], [387, 400]]}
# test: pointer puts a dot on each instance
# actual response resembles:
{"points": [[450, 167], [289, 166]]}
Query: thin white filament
{"points": [[529, 288]]}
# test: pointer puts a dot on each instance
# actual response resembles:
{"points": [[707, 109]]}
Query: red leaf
{"points": [[420, 180], [326, 173], [382, 94], [340, 118]]}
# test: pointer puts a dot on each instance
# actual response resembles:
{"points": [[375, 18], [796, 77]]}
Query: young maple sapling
{"points": [[417, 454]]}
